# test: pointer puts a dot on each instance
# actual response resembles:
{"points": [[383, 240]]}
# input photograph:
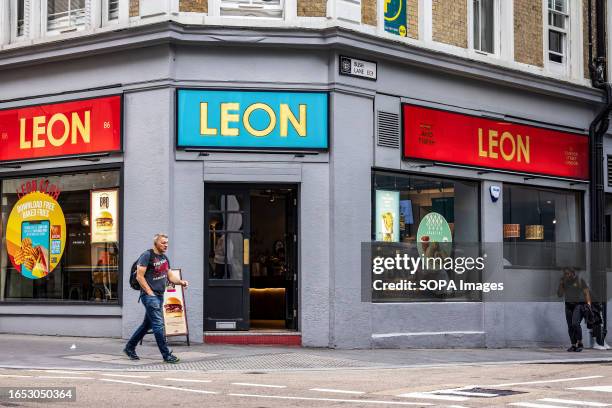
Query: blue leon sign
{"points": [[252, 120]]}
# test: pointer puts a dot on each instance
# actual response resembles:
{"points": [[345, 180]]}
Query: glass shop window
{"points": [[61, 238]]}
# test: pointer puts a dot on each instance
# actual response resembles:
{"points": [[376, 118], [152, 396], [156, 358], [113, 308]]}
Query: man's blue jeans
{"points": [[154, 320]]}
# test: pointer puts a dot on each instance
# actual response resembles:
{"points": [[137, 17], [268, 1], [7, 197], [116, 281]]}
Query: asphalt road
{"points": [[529, 385]]}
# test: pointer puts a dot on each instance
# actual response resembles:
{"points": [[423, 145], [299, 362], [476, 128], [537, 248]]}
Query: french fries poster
{"points": [[36, 235]]}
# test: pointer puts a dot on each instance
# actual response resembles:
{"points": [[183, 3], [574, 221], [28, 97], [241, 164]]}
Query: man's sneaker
{"points": [[572, 348], [579, 348], [131, 354], [172, 359]]}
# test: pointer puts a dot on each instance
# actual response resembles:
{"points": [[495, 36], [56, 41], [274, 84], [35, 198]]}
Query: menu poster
{"points": [[175, 313], [387, 215], [104, 216]]}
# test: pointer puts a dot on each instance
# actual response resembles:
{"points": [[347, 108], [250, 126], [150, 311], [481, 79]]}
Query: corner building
{"points": [[259, 138]]}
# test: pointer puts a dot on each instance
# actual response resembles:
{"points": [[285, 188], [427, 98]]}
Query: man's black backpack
{"points": [[133, 281]]}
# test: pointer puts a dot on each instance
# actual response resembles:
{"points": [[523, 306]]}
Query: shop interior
{"points": [[269, 267]]}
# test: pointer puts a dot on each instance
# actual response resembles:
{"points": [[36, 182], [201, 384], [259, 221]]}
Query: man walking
{"points": [[577, 305], [152, 275]]}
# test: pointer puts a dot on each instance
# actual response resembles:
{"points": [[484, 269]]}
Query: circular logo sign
{"points": [[36, 235], [434, 236]]}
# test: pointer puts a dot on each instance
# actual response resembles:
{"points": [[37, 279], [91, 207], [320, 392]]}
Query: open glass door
{"points": [[226, 277]]}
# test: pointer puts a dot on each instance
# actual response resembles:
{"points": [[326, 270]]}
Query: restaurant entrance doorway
{"points": [[250, 279]]}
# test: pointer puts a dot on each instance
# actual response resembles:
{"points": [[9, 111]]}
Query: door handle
{"points": [[245, 249]]}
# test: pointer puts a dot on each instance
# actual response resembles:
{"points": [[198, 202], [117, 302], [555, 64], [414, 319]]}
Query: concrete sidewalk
{"points": [[83, 353]]}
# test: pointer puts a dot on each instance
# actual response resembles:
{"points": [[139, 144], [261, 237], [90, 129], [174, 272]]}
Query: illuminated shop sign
{"points": [[446, 137], [61, 129], [104, 216], [252, 120], [387, 215]]}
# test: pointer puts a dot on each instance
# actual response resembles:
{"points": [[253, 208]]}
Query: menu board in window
{"points": [[104, 216]]}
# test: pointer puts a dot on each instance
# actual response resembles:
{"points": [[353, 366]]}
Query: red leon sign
{"points": [[61, 129], [441, 136]]}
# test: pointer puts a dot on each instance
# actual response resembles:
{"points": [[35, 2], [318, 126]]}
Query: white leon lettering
{"points": [[509, 147], [229, 113], [42, 130]]}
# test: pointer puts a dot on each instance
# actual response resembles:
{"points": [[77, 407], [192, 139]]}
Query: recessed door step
{"points": [[253, 337]]}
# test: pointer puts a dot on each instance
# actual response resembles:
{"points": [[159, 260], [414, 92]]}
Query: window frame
{"points": [[563, 31], [105, 12], [496, 35], [581, 221], [215, 8], [478, 183], [441, 177], [45, 20], [572, 67], [13, 15], [61, 171]]}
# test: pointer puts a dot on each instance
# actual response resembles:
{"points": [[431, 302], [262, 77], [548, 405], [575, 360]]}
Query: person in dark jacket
{"points": [[577, 305]]}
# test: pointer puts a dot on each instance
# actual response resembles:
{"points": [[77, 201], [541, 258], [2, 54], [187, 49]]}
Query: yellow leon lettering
{"points": [[43, 130], [509, 147], [61, 118], [38, 130], [230, 113], [227, 117], [23, 144], [204, 129], [247, 117], [287, 116], [79, 128]]}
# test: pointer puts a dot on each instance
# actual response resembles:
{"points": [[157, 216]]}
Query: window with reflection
{"points": [[225, 229], [538, 222], [435, 217], [41, 263]]}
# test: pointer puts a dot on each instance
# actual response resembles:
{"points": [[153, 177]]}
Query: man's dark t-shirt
{"points": [[156, 274]]}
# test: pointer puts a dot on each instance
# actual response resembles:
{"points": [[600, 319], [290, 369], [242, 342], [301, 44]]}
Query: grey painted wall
{"points": [[148, 188], [350, 200]]}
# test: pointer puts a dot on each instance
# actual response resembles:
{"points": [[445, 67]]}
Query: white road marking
{"points": [[546, 381], [336, 391], [602, 388], [573, 402], [64, 372], [361, 401], [534, 405], [15, 376], [187, 380], [260, 385], [426, 395], [127, 376], [64, 377], [455, 406], [167, 387], [469, 394]]}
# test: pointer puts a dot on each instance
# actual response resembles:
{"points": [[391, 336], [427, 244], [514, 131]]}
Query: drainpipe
{"points": [[597, 130]]}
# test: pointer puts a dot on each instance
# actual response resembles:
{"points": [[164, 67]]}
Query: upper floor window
{"points": [[20, 14], [65, 14], [484, 25], [558, 16], [252, 8], [113, 10]]}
